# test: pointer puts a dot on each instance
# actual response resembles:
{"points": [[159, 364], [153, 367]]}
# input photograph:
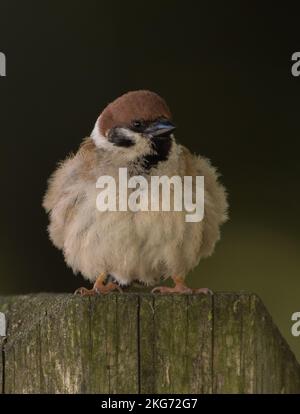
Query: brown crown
{"points": [[135, 105]]}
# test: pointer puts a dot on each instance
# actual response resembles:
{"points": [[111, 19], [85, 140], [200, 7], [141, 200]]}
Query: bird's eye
{"points": [[137, 125]]}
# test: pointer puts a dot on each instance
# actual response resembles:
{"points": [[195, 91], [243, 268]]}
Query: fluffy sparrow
{"points": [[133, 132]]}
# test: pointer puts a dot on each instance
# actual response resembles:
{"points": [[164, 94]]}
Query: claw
{"points": [[85, 292], [108, 288], [206, 291], [175, 289], [99, 287], [180, 287]]}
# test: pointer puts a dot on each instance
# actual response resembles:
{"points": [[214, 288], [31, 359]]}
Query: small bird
{"points": [[116, 248]]}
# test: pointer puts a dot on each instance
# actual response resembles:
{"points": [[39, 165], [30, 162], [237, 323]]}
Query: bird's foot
{"points": [[206, 291], [180, 287], [97, 291], [99, 287], [82, 291], [175, 289]]}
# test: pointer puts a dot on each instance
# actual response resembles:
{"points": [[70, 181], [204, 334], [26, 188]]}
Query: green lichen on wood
{"points": [[175, 338], [232, 358], [138, 342], [114, 345]]}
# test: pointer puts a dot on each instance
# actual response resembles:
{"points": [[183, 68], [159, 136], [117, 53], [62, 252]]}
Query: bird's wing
{"points": [[65, 190], [215, 199]]}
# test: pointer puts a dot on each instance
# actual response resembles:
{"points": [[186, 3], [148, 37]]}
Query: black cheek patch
{"points": [[162, 147], [116, 137]]}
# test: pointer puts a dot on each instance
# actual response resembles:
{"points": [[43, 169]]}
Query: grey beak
{"points": [[160, 129]]}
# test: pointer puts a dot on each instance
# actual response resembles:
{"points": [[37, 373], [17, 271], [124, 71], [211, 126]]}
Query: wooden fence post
{"points": [[141, 343]]}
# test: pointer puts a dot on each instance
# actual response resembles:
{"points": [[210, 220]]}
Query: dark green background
{"points": [[224, 68]]}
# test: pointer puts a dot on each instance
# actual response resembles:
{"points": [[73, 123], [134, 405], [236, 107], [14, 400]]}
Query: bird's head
{"points": [[136, 125]]}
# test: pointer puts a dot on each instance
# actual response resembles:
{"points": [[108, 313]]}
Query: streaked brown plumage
{"points": [[143, 246]]}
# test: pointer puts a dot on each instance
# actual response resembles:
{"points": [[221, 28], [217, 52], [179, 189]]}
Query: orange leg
{"points": [[180, 287], [99, 287]]}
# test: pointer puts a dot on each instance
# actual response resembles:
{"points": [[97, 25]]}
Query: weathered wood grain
{"points": [[114, 344], [276, 368], [67, 344], [232, 350], [250, 355], [175, 344], [141, 343]]}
